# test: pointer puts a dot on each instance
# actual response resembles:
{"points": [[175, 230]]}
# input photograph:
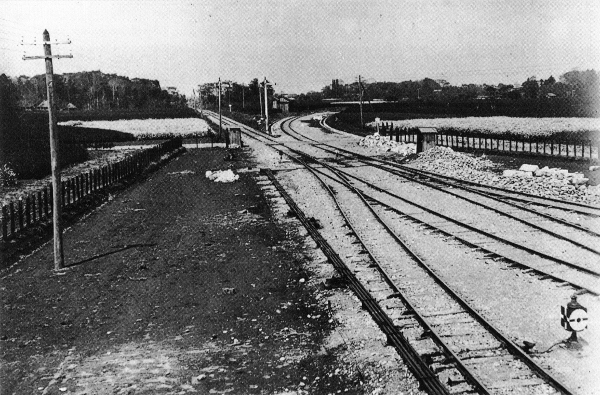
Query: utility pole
{"points": [[220, 133], [260, 100], [243, 97], [200, 98], [59, 259], [229, 95], [360, 93], [267, 130]]}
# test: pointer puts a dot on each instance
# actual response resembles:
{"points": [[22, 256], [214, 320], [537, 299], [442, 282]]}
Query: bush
{"points": [[8, 177]]}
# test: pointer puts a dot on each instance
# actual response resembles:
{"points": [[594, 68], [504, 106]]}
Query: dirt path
{"points": [[177, 285]]}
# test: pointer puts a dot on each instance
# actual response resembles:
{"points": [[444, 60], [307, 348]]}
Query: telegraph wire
{"points": [[12, 49], [22, 26]]}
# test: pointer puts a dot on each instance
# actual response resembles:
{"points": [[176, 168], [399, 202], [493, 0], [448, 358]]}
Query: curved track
{"points": [[457, 343]]}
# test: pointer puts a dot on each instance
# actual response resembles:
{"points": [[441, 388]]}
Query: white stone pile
{"points": [[222, 176], [556, 173], [382, 143], [556, 183]]}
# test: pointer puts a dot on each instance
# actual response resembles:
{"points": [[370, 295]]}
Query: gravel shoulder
{"points": [[178, 285]]}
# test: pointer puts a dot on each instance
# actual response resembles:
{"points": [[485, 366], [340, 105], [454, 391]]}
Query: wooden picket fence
{"points": [[36, 207], [585, 150]]}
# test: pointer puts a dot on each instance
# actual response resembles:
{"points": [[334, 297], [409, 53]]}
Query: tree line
{"points": [[584, 85], [95, 90]]}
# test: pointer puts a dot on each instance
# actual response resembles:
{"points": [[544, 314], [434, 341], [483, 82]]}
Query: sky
{"points": [[301, 45]]}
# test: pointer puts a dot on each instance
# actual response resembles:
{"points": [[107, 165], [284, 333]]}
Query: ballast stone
{"points": [[517, 173], [529, 168]]}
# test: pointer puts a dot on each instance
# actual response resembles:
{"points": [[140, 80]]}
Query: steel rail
{"points": [[342, 266], [457, 183], [418, 367], [504, 190], [398, 172], [513, 244], [490, 195], [474, 229], [466, 372], [469, 243], [477, 230], [509, 344]]}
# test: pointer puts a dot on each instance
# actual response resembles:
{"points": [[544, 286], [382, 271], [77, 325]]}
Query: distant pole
{"points": [[200, 97], [229, 95], [243, 97], [266, 108], [360, 93], [220, 133], [260, 100]]}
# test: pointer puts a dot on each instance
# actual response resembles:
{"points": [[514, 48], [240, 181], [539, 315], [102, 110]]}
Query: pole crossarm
{"points": [[47, 42], [47, 57]]}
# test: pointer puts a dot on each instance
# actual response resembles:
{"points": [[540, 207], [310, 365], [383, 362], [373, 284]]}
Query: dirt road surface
{"points": [[177, 285]]}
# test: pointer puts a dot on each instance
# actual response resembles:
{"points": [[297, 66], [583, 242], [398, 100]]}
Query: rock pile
{"points": [[222, 176], [554, 183], [556, 173], [385, 144]]}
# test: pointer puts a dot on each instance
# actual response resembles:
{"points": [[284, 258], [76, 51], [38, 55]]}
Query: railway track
{"points": [[502, 193], [458, 345], [462, 349], [580, 268]]}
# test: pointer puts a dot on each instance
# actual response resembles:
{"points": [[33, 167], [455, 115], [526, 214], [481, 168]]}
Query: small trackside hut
{"points": [[234, 137], [426, 139]]}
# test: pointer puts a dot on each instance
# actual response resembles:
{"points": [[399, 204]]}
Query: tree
{"points": [[9, 114], [531, 87], [550, 81]]}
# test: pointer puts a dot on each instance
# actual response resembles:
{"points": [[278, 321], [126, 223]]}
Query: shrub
{"points": [[8, 177]]}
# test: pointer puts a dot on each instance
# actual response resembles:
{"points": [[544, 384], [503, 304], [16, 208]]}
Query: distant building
{"points": [[283, 103]]}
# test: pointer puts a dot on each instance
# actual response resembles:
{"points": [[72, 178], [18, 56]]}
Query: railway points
{"points": [[323, 155]]}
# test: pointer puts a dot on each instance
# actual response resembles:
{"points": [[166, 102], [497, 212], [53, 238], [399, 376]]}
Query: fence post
{"points": [[27, 211], [4, 222], [40, 204], [46, 202], [544, 146], [20, 209], [62, 192], [71, 191], [11, 208], [76, 185], [34, 208]]}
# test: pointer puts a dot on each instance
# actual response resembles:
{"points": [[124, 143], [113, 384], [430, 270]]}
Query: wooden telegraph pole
{"points": [[200, 98], [59, 259], [220, 121], [260, 100], [266, 108], [243, 97], [360, 93]]}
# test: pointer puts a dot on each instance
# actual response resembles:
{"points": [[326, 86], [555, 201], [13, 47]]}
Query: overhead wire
{"points": [[24, 26]]}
